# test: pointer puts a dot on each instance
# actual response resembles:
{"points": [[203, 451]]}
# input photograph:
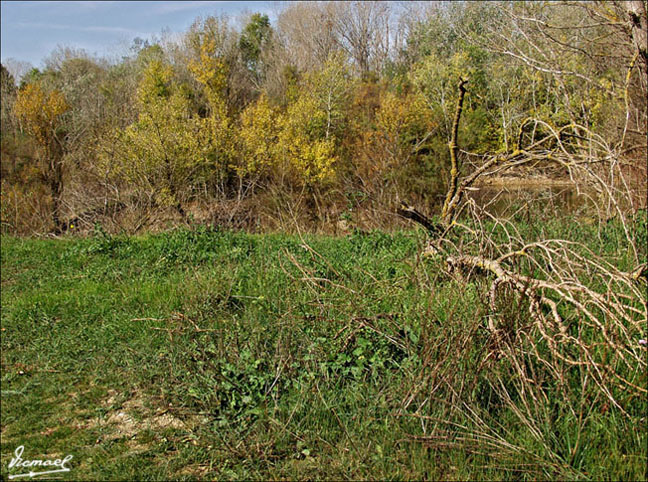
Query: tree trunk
{"points": [[638, 16], [56, 183]]}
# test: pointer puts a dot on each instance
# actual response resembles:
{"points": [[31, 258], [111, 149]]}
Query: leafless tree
{"points": [[17, 68], [306, 31], [363, 31]]}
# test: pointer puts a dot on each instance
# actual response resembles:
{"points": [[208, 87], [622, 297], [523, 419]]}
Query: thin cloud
{"points": [[163, 8], [95, 5], [89, 28], [106, 29], [27, 25]]}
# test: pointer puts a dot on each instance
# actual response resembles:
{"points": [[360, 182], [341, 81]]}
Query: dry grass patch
{"points": [[133, 417]]}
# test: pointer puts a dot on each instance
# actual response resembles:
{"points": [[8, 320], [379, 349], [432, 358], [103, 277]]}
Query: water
{"points": [[550, 199]]}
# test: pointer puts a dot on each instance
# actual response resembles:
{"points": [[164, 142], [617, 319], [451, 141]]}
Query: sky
{"points": [[30, 31]]}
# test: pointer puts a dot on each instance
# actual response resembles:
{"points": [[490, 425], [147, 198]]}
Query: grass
{"points": [[200, 354]]}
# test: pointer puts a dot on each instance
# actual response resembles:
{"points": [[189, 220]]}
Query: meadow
{"points": [[206, 354]]}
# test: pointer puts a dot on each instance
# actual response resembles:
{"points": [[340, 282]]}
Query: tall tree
{"points": [[362, 30], [41, 114], [167, 150], [306, 30], [254, 39], [8, 93], [7, 121]]}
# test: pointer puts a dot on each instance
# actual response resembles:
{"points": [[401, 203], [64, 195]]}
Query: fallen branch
{"points": [[411, 213]]}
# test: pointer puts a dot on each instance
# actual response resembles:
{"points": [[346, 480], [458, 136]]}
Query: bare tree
{"points": [[362, 30], [306, 31], [17, 68]]}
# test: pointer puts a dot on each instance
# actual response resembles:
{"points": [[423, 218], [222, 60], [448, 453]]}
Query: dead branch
{"points": [[448, 206], [411, 213]]}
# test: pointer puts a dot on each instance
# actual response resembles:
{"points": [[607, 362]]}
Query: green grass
{"points": [[201, 354]]}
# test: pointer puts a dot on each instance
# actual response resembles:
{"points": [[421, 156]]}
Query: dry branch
{"points": [[413, 214], [448, 205]]}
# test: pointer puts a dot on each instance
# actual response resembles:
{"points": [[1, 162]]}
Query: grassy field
{"points": [[200, 354]]}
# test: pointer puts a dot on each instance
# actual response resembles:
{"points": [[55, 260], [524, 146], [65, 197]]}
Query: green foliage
{"points": [[367, 355], [218, 113], [254, 38], [34, 75], [436, 79], [285, 357]]}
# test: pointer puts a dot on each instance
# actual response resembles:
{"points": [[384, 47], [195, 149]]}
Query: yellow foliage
{"points": [[292, 141], [400, 117], [398, 113], [312, 160], [167, 149], [211, 71], [258, 136], [40, 111], [155, 83], [300, 145]]}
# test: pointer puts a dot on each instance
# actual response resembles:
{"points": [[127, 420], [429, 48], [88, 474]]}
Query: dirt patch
{"points": [[132, 417], [198, 471]]}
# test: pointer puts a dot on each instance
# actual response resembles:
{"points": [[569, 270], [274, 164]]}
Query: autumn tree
{"points": [[7, 124], [313, 125], [585, 63], [257, 138], [211, 71], [41, 114], [307, 33], [8, 93], [167, 150], [224, 43]]}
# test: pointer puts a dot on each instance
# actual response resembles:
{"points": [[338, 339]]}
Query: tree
{"points": [[17, 68], [8, 93], [254, 39], [585, 115], [330, 86], [7, 121], [41, 115], [167, 150], [211, 72], [586, 60], [362, 30], [306, 31], [302, 140], [223, 42], [258, 135]]}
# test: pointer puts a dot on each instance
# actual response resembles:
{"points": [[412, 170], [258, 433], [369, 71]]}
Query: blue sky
{"points": [[32, 30]]}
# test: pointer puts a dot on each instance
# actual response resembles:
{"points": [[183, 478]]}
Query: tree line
{"points": [[337, 111]]}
